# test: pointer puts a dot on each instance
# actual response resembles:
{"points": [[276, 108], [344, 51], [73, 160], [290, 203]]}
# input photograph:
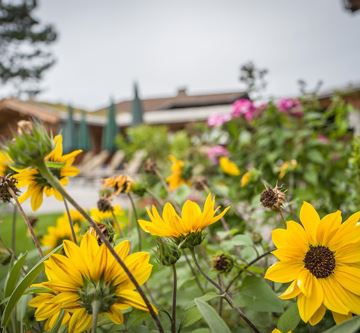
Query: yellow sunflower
{"points": [[228, 167], [37, 185], [176, 178], [120, 184], [5, 162], [191, 221], [58, 233], [89, 273], [321, 259], [75, 216]]}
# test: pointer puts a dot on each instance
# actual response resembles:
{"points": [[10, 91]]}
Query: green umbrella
{"points": [[69, 139], [110, 131], [84, 137], [136, 108]]}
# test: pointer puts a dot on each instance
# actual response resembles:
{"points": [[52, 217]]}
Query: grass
{"points": [[23, 240]]}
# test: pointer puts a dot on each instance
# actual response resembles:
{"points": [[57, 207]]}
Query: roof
{"points": [[179, 101]]}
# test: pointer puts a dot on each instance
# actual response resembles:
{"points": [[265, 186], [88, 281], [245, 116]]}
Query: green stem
{"points": [[70, 221], [117, 224], [194, 273], [245, 268], [224, 294], [95, 312], [136, 220], [173, 321], [13, 231], [46, 173], [27, 221]]}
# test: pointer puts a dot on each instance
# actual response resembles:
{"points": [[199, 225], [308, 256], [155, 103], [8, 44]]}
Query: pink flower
{"points": [[217, 120], [291, 106], [215, 152], [323, 139], [243, 108]]}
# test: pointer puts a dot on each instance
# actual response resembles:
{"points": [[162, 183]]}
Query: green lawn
{"points": [[23, 240]]}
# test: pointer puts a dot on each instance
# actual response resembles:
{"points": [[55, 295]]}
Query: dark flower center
{"points": [[320, 261]]}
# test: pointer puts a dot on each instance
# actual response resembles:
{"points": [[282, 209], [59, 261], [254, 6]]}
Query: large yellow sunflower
{"points": [[176, 178], [321, 259], [89, 273], [192, 219], [37, 185]]}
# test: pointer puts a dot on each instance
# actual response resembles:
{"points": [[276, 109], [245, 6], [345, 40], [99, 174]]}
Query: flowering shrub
{"points": [[236, 231]]}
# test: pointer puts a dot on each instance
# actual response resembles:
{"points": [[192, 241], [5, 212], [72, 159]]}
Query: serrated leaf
{"points": [[257, 295], [14, 275], [289, 319], [21, 287], [214, 321], [349, 326]]}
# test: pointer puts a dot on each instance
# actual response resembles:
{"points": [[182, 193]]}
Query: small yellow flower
{"points": [[176, 178], [192, 219], [228, 167], [89, 273], [321, 259], [100, 217], [5, 162], [275, 330], [120, 184], [287, 166], [58, 233], [37, 185], [245, 179]]}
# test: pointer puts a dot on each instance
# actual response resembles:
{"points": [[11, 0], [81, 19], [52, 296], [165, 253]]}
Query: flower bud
{"points": [[191, 240], [31, 146], [168, 252], [223, 263]]}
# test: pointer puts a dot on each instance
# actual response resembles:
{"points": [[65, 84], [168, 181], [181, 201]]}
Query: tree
{"points": [[253, 78], [23, 44]]}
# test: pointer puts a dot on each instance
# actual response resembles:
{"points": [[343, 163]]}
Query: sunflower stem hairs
{"points": [[187, 229], [320, 259], [46, 173]]}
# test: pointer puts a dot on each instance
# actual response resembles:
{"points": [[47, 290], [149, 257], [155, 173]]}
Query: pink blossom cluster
{"points": [[290, 106], [215, 152], [217, 120], [244, 108]]}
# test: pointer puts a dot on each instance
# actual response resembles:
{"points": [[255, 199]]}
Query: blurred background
{"points": [[95, 71]]}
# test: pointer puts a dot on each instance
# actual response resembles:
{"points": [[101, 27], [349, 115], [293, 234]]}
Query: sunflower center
{"points": [[320, 261]]}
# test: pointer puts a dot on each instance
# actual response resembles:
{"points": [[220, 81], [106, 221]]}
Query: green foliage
{"points": [[349, 326], [152, 139]]}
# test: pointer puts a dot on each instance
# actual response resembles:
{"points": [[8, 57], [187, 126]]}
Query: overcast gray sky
{"points": [[105, 45]]}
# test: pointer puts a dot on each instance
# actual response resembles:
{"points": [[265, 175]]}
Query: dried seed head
{"points": [[272, 198], [223, 263], [200, 183], [7, 183], [104, 205], [150, 166]]}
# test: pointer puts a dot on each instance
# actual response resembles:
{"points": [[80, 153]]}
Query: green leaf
{"points": [[57, 325], [257, 295], [14, 274], [289, 319], [214, 321], [349, 326], [315, 156], [191, 316], [21, 287]]}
